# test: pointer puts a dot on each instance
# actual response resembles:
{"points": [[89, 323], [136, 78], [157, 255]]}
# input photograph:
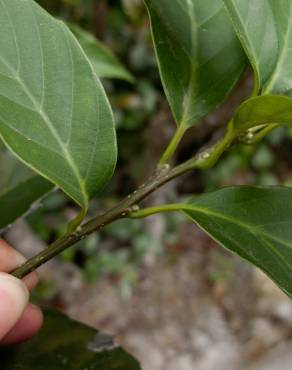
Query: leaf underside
{"points": [[253, 222], [19, 189], [54, 114], [199, 56]]}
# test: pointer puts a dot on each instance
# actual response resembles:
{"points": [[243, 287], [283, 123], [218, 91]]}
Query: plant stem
{"points": [[161, 209], [173, 144], [209, 157], [128, 205]]}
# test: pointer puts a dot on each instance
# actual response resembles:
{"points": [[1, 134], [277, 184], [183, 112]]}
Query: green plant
{"points": [[55, 117]]}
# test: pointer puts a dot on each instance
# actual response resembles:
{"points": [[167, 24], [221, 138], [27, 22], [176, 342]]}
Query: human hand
{"points": [[19, 320]]}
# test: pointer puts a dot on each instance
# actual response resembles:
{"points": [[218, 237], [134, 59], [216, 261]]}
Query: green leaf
{"points": [[63, 344], [199, 56], [265, 30], [53, 110], [263, 110], [104, 62], [254, 24], [253, 222], [19, 188]]}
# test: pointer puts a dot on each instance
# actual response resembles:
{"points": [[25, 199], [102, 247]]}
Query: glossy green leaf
{"points": [[63, 344], [254, 23], [263, 110], [265, 30], [53, 110], [104, 62], [253, 222], [199, 56], [19, 188]]}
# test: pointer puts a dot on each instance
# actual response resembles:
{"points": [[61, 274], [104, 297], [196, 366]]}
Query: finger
{"points": [[29, 324], [10, 259], [13, 301], [31, 280]]}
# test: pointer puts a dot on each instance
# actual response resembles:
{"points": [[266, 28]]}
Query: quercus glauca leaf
{"points": [[253, 222], [19, 188], [263, 111], [265, 31], [254, 24], [199, 56], [105, 64], [54, 114], [280, 81]]}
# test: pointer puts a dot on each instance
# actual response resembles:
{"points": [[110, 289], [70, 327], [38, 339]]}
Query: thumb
{"points": [[13, 301]]}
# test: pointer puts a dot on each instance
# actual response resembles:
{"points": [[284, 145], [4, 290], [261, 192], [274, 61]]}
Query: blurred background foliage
{"points": [[144, 125]]}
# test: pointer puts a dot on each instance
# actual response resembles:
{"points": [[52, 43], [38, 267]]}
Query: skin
{"points": [[19, 320]]}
